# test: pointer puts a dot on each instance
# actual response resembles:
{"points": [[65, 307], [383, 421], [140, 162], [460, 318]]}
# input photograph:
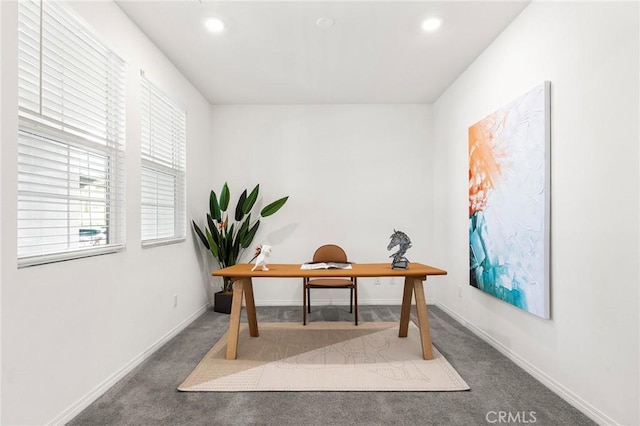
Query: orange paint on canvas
{"points": [[484, 165]]}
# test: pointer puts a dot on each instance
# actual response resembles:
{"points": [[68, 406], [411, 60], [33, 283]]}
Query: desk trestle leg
{"points": [[423, 319], [234, 320], [251, 308], [412, 285], [405, 313], [242, 287]]}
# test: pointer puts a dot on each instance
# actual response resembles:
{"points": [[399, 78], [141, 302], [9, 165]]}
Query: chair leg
{"points": [[304, 302], [355, 295], [309, 300], [351, 301]]}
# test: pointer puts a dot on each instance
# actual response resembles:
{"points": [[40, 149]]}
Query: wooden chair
{"points": [[330, 253]]}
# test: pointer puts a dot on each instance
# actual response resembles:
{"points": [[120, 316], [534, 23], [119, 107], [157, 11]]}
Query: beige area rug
{"points": [[324, 356]]}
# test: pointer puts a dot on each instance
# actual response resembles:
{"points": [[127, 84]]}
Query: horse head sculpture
{"points": [[400, 239]]}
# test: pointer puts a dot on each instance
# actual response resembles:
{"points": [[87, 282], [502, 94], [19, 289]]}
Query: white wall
{"points": [[70, 329], [353, 174], [1, 103], [589, 350]]}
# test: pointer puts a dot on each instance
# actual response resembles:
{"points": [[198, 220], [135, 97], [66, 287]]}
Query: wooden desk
{"points": [[413, 277]]}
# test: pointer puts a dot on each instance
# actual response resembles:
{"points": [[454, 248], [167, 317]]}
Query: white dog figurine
{"points": [[265, 251]]}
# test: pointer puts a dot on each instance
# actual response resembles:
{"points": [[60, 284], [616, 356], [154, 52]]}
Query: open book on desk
{"points": [[326, 265]]}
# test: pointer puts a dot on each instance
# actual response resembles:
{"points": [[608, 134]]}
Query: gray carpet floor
{"points": [[148, 395]]}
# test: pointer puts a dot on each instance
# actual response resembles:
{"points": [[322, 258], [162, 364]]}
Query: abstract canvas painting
{"points": [[509, 194]]}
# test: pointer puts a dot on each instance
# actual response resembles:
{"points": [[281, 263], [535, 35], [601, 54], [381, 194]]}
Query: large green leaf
{"points": [[201, 235], [229, 250], [251, 199], [230, 235], [248, 238], [214, 207], [224, 197], [210, 222], [213, 229], [222, 251], [239, 207], [212, 244], [245, 225], [236, 250], [273, 207]]}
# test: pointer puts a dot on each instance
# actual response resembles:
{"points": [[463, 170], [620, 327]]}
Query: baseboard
{"points": [[589, 410], [99, 390]]}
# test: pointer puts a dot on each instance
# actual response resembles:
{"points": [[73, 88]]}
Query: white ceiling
{"points": [[273, 53]]}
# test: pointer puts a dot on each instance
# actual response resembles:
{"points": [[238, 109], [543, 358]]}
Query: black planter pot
{"points": [[222, 302]]}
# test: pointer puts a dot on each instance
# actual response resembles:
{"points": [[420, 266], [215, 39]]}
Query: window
{"points": [[70, 138], [163, 167]]}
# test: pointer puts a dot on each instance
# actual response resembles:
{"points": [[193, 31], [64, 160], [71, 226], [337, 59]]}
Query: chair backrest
{"points": [[330, 253]]}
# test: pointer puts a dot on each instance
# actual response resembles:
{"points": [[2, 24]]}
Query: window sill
{"points": [[162, 242], [28, 261]]}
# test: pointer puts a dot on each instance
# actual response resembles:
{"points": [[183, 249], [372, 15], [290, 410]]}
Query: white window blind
{"points": [[163, 167], [70, 138]]}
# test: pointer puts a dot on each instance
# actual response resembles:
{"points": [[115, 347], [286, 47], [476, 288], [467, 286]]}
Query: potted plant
{"points": [[227, 238]]}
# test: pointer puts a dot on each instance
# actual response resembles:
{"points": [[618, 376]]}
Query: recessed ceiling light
{"points": [[431, 24], [214, 24], [325, 23]]}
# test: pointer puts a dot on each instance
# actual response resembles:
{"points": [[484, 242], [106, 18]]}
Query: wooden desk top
{"points": [[279, 270]]}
